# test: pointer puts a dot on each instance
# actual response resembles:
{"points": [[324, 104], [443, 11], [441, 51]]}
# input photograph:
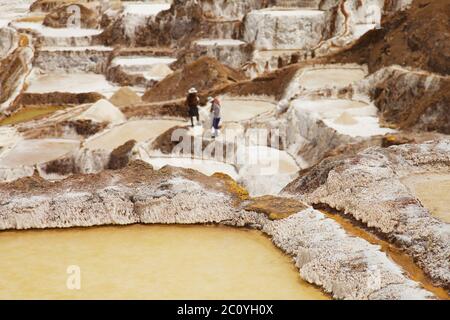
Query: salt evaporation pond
{"points": [[349, 117], [12, 10], [139, 130], [72, 83], [148, 262], [152, 68], [433, 191], [241, 109], [264, 170], [219, 42], [31, 152], [146, 9], [141, 61], [72, 49], [57, 32], [315, 79], [262, 159]]}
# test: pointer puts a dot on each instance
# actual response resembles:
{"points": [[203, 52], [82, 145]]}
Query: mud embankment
{"points": [[368, 187]]}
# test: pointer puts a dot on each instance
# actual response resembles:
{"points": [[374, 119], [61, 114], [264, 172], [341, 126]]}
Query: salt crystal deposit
{"points": [[103, 111], [331, 152]]}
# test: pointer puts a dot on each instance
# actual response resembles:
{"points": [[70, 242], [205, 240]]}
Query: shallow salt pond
{"points": [[219, 42], [240, 110], [265, 160], [73, 83], [31, 152], [29, 113], [56, 32], [148, 262], [315, 79], [264, 170], [152, 68], [145, 8], [349, 117], [139, 130], [433, 191], [141, 61]]}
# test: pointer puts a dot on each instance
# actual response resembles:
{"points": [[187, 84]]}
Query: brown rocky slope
{"points": [[205, 74], [418, 37]]}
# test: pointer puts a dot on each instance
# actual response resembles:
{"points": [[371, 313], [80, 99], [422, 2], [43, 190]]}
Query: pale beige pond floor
{"points": [[433, 191], [148, 262]]}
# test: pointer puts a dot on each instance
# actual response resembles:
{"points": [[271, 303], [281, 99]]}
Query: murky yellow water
{"points": [[433, 191], [148, 262], [29, 113]]}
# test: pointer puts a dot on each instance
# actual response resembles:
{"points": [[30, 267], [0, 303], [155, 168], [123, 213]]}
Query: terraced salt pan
{"points": [[433, 191], [266, 160], [271, 29], [146, 9], [314, 79], [72, 48], [130, 61], [8, 136], [231, 52], [240, 109], [207, 167], [56, 32], [10, 10], [73, 83], [31, 152], [349, 117], [152, 68], [219, 42], [139, 130], [264, 170]]}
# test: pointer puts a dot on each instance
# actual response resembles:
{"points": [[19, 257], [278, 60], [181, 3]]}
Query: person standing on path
{"points": [[216, 115], [192, 102]]}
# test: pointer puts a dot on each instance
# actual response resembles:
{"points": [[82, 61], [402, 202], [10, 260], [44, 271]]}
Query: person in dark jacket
{"points": [[192, 102]]}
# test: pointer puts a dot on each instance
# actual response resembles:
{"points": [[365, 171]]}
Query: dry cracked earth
{"points": [[334, 141]]}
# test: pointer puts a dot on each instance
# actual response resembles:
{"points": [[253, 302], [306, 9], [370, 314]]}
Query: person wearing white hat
{"points": [[192, 102]]}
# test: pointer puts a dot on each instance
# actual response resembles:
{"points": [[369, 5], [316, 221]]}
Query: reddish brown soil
{"points": [[117, 75], [175, 108], [270, 84], [64, 166], [57, 98], [418, 37], [164, 142], [11, 69], [84, 127], [205, 74], [47, 5], [120, 157], [125, 96], [275, 208], [418, 108]]}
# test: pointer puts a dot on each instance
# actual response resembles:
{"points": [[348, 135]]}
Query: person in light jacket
{"points": [[216, 115]]}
